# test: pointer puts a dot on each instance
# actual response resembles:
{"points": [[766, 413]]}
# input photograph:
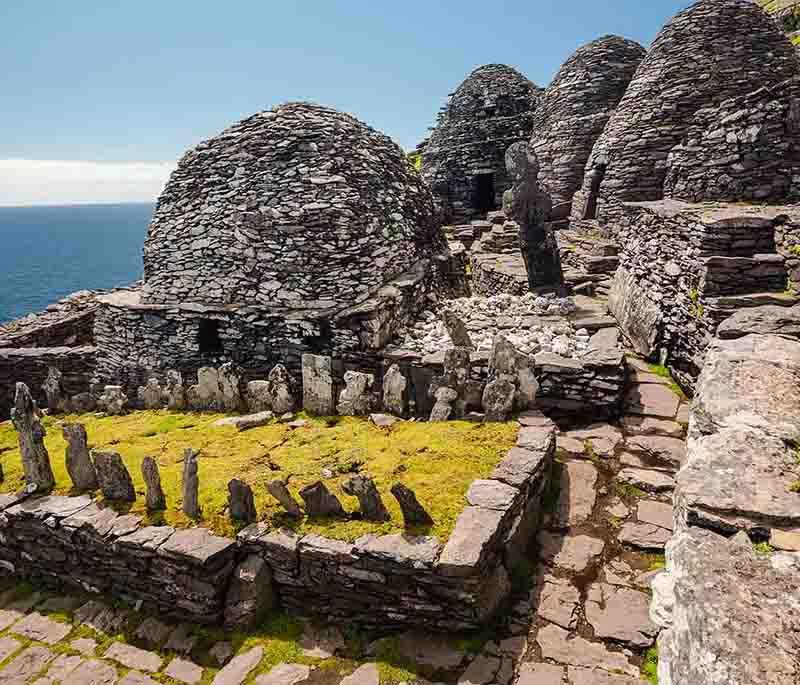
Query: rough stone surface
{"points": [[25, 415], [577, 651], [318, 385], [241, 503], [559, 601], [250, 594], [278, 489], [190, 484], [369, 499], [620, 614], [79, 465], [155, 500], [578, 493], [42, 629], [133, 657], [239, 667], [395, 391], [356, 399], [572, 553], [184, 671], [319, 501], [414, 514], [285, 674], [113, 477]]}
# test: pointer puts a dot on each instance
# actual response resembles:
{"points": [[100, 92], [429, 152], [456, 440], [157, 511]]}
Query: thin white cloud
{"points": [[53, 182]]}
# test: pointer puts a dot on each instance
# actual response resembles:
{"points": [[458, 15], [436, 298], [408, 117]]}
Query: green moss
{"points": [[795, 487], [437, 460], [663, 372], [763, 549], [629, 491], [393, 668], [650, 666], [658, 562]]}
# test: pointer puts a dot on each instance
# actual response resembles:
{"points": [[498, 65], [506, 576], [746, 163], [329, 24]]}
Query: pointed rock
{"points": [[113, 477], [369, 499], [191, 483], [79, 464], [320, 501], [154, 497], [278, 489], [25, 415], [241, 503], [414, 513]]}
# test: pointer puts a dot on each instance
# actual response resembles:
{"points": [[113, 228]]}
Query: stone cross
{"points": [[191, 484], [318, 385], [114, 479], [369, 499], [154, 494], [530, 206], [414, 513], [278, 489], [79, 464], [356, 398], [241, 503], [395, 391], [443, 409], [320, 501], [281, 390], [25, 415]]}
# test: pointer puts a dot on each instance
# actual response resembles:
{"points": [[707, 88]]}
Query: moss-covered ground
{"points": [[437, 460]]}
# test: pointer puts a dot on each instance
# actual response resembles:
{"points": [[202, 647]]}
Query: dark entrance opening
{"points": [[208, 337], [483, 193]]}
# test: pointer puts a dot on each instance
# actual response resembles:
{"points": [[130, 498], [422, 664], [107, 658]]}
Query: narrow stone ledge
{"points": [[411, 551], [470, 542]]}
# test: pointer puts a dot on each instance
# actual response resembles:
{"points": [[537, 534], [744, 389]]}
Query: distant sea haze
{"points": [[50, 252]]}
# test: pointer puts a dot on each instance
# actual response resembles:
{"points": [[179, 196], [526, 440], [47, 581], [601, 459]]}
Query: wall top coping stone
{"points": [[33, 352], [720, 214], [417, 551]]}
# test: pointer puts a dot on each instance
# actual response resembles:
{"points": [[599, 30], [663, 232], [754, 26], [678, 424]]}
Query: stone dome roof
{"points": [[715, 50], [574, 110], [299, 207]]}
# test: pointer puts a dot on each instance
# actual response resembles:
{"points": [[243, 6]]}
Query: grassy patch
{"points": [[438, 461], [658, 562], [663, 372], [650, 666], [763, 549], [628, 490]]}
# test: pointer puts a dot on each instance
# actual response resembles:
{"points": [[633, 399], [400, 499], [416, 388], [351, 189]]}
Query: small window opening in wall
{"points": [[208, 337], [483, 193]]}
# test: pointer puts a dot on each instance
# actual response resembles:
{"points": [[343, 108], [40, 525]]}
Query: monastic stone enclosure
{"points": [[298, 229], [574, 110], [463, 161], [707, 54]]}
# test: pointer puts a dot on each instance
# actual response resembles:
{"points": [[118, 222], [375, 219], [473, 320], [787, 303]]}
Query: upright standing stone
{"points": [[79, 464], [154, 494], [25, 416], [241, 503], [498, 399], [356, 398], [318, 385], [457, 330], [175, 391], [281, 390], [395, 391], [414, 513], [443, 409], [53, 390], [152, 395], [278, 489], [258, 398], [191, 484], [113, 477], [250, 594], [320, 501], [457, 365], [230, 386], [369, 499]]}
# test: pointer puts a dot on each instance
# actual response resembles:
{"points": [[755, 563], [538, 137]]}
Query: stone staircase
{"points": [[589, 257]]}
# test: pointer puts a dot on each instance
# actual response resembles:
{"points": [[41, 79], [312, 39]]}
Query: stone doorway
{"points": [[483, 199]]}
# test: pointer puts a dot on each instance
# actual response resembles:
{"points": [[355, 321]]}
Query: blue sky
{"points": [[120, 81]]}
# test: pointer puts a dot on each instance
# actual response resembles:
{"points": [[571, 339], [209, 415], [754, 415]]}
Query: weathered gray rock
{"points": [[154, 494], [79, 464], [395, 391], [571, 552], [508, 363], [576, 651], [457, 330], [559, 601], [319, 501], [443, 409], [250, 594], [498, 399], [318, 385], [369, 499], [113, 401], [258, 397], [113, 477], [414, 514], [285, 674], [278, 489], [41, 629], [766, 320], [670, 451], [248, 421], [190, 484], [184, 671], [175, 391], [647, 480], [644, 535], [25, 415], [241, 503], [216, 389], [133, 657], [152, 395], [621, 614], [531, 673], [457, 363], [239, 667], [281, 390], [26, 665], [578, 493], [356, 399]]}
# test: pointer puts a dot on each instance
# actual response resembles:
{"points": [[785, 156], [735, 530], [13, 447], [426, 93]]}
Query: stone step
{"points": [[741, 275]]}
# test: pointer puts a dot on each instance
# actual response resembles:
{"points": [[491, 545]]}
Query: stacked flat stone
{"points": [[492, 109], [713, 51], [301, 207], [575, 109]]}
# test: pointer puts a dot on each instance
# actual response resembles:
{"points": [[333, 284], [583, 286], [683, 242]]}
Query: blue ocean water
{"points": [[49, 252]]}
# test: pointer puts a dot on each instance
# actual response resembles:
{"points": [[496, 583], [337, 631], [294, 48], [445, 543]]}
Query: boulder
{"points": [[356, 398], [395, 391], [319, 501], [241, 503], [318, 385], [414, 514], [369, 499], [278, 489], [498, 399], [154, 494]]}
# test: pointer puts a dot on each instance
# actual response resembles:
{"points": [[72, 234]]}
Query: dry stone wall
{"points": [[300, 207], [492, 109], [388, 581], [575, 109], [707, 54]]}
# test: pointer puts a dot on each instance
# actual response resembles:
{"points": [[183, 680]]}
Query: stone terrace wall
{"points": [[713, 51], [492, 109], [748, 148], [730, 615], [685, 268], [31, 364], [389, 581], [300, 207], [575, 109]]}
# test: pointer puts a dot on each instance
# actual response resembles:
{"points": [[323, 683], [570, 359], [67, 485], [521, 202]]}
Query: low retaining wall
{"points": [[30, 365], [729, 613], [388, 581]]}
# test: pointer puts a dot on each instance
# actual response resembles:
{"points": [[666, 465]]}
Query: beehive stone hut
{"points": [[298, 229], [709, 53], [575, 109], [464, 159]]}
